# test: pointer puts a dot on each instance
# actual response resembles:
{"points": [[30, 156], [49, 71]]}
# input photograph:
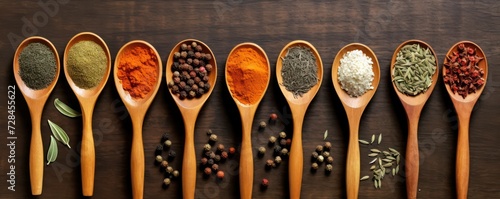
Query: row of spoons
{"points": [[354, 107]]}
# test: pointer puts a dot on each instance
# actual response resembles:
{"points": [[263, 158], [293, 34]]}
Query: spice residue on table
{"points": [[138, 71], [87, 64], [37, 66], [247, 74]]}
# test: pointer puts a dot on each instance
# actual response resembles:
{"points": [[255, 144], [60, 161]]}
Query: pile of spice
{"points": [[462, 72], [247, 74], [37, 66], [190, 71], [413, 69], [320, 155], [299, 70], [87, 64], [355, 73], [213, 156], [138, 71], [164, 162], [384, 162]]}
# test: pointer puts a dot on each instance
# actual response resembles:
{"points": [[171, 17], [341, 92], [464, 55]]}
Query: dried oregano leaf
{"points": [[65, 109], [59, 133], [52, 152]]}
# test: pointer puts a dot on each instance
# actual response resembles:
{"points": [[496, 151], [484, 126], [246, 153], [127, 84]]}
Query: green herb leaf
{"points": [[65, 109], [52, 152], [325, 135], [59, 133]]}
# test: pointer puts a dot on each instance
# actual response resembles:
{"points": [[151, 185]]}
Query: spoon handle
{"points": [[36, 155], [463, 158], [296, 156], [353, 159], [87, 158], [189, 162], [137, 161], [412, 159], [246, 161]]}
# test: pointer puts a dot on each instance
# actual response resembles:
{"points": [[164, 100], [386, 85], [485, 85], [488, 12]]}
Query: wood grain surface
{"points": [[221, 24]]}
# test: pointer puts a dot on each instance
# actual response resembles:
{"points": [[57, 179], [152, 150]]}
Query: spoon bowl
{"points": [[190, 109], [413, 106], [354, 107], [464, 107], [298, 106], [87, 99], [247, 112], [137, 108], [36, 101]]}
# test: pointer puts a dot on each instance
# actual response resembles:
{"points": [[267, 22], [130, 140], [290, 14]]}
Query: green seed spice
{"points": [[413, 69], [300, 71], [87, 64], [37, 66]]}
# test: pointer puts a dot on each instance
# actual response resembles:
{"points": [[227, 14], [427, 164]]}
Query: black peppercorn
{"points": [[217, 158], [200, 92], [183, 46], [182, 84], [159, 149], [182, 95], [210, 162], [187, 88], [211, 155], [164, 137], [201, 84], [198, 48], [177, 80], [171, 155], [184, 54], [190, 82], [189, 61], [175, 89], [192, 94], [190, 53], [207, 85], [175, 66], [277, 150], [283, 142]]}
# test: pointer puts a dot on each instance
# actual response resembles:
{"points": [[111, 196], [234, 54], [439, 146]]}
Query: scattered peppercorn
{"points": [[159, 159], [315, 155], [204, 161], [319, 148], [164, 164], [207, 147], [213, 138], [265, 182], [168, 143], [211, 155], [321, 158], [166, 181], [282, 134], [269, 163], [208, 171], [220, 174], [175, 173], [262, 150], [273, 117], [171, 155], [209, 132], [284, 152], [277, 160], [215, 167], [164, 137], [283, 142], [169, 169], [329, 159], [329, 168], [159, 149], [314, 166], [232, 150], [262, 125], [288, 142], [217, 158], [272, 140], [220, 147], [326, 154], [224, 155], [210, 162], [277, 150], [328, 146]]}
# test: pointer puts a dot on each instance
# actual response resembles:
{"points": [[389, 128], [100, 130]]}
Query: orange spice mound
{"points": [[138, 71], [247, 74]]}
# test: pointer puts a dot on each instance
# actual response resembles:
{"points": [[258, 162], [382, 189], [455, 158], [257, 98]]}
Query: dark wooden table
{"points": [[382, 25]]}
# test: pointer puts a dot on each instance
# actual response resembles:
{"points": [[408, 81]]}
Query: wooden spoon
{"points": [[87, 99], [36, 101], [298, 107], [464, 108], [137, 109], [354, 107], [413, 106], [189, 109], [247, 112]]}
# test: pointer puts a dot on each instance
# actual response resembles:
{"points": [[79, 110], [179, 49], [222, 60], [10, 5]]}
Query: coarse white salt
{"points": [[355, 73]]}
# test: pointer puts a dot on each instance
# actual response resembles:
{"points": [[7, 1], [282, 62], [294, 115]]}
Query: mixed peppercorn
{"points": [[190, 71], [213, 155], [320, 155], [163, 162]]}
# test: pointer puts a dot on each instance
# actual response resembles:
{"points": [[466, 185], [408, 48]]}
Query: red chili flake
{"points": [[463, 74]]}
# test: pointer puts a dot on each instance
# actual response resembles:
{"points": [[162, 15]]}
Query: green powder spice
{"points": [[87, 64], [37, 66]]}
